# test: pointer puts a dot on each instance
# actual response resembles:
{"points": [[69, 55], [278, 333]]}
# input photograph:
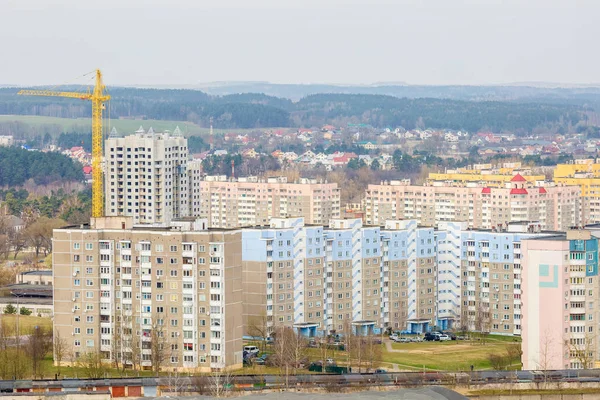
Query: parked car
{"points": [[330, 361], [394, 337], [262, 360], [380, 371], [444, 338], [416, 339], [251, 349], [430, 337]]}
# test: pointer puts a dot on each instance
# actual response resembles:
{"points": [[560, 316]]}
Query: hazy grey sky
{"points": [[300, 41]]}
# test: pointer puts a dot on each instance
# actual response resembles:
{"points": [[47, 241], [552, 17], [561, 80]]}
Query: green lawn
{"points": [[26, 322], [448, 356], [122, 125]]}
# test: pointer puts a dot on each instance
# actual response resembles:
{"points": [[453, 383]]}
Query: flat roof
{"points": [[40, 272], [46, 301]]}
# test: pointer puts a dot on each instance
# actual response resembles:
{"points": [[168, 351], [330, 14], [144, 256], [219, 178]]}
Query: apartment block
{"points": [[127, 290], [146, 177], [401, 275], [586, 175], [252, 201], [560, 301], [556, 207], [486, 174]]}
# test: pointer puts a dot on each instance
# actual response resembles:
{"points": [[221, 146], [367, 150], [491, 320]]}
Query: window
{"points": [[89, 246], [173, 249], [76, 246], [89, 258]]}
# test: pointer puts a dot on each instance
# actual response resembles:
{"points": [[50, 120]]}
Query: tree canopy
{"points": [[18, 165]]}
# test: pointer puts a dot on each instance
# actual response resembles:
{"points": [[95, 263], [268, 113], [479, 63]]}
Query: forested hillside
{"points": [[250, 110], [18, 165]]}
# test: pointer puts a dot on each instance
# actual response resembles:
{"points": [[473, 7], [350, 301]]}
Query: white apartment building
{"points": [[146, 177]]}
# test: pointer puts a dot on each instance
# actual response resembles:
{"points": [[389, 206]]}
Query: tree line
{"points": [[19, 165], [252, 110]]}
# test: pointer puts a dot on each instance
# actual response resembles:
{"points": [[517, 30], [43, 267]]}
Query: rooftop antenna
{"points": [[210, 139]]}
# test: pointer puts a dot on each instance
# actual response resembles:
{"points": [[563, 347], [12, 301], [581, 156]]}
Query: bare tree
{"points": [[93, 365], [546, 357], [482, 322], [39, 234], [176, 382], [38, 346], [6, 333], [60, 350], [132, 350], [582, 350], [513, 353], [357, 349], [373, 352], [116, 350], [220, 382], [158, 345], [259, 327], [288, 348], [298, 347]]}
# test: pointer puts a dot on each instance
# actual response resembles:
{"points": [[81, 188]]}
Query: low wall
{"points": [[57, 396], [582, 396]]}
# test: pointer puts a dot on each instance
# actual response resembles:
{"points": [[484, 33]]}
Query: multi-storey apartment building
{"points": [[251, 201], [556, 207], [560, 301], [401, 275], [586, 175], [146, 177], [168, 296], [486, 174]]}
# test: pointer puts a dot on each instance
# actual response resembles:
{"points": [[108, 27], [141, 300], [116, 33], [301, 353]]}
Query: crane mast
{"points": [[98, 97]]}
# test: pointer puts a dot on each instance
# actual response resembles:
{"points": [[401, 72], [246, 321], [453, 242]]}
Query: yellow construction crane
{"points": [[97, 97]]}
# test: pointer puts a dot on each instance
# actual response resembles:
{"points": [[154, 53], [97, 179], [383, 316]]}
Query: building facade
{"points": [[560, 298], [400, 276], [150, 297], [556, 207], [251, 201], [146, 177], [586, 175]]}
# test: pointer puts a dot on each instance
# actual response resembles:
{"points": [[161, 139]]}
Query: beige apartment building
{"points": [[252, 201], [556, 207], [141, 295]]}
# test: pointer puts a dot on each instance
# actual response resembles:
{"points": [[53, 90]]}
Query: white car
{"points": [[251, 349], [444, 338], [394, 337]]}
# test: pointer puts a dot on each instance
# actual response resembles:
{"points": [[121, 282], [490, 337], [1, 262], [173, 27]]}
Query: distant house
{"points": [[450, 137], [367, 145], [249, 153], [13, 223]]}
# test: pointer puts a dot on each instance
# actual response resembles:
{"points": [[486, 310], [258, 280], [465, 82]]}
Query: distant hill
{"points": [[258, 105]]}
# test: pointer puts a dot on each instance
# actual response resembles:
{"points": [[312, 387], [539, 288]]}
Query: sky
{"points": [[187, 42]]}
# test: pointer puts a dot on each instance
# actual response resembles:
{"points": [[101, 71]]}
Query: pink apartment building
{"points": [[560, 301], [556, 207], [253, 201]]}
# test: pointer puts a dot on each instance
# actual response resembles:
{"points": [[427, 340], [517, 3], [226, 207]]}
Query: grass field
{"points": [[26, 322], [122, 125], [448, 356]]}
